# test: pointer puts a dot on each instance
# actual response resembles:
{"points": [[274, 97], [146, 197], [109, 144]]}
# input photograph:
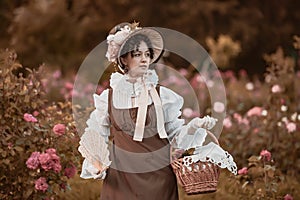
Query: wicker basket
{"points": [[199, 177]]}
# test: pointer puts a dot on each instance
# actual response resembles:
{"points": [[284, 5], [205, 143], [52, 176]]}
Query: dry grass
{"points": [[90, 190], [228, 188]]}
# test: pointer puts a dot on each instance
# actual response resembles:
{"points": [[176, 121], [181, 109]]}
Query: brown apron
{"points": [[139, 170]]}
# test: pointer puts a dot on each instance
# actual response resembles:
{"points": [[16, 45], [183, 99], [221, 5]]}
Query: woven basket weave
{"points": [[200, 177]]}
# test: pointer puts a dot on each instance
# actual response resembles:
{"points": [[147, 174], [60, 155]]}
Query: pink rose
{"points": [[69, 85], [291, 127], [56, 167], [55, 162], [41, 184], [243, 171], [227, 122], [45, 160], [56, 74], [266, 155], [35, 113], [256, 130], [288, 197], [70, 171], [29, 118], [50, 161], [51, 151], [276, 89], [237, 117], [245, 121], [33, 161], [63, 186], [59, 129], [254, 111]]}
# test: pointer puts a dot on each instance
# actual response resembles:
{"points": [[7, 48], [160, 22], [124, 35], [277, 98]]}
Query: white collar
{"points": [[145, 93], [124, 90], [119, 81]]}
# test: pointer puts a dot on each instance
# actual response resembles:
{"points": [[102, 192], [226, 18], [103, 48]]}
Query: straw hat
{"points": [[123, 32]]}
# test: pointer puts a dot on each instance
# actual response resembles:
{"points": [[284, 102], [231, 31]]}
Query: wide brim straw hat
{"points": [[156, 41], [154, 36]]}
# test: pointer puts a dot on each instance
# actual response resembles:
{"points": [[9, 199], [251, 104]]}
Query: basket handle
{"points": [[213, 137]]}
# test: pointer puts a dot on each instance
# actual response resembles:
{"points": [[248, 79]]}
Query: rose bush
{"points": [[38, 138]]}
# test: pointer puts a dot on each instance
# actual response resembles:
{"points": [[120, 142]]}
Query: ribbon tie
{"points": [[142, 111]]}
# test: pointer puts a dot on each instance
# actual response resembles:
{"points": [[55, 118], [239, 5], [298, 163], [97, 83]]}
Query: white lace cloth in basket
{"points": [[212, 153]]}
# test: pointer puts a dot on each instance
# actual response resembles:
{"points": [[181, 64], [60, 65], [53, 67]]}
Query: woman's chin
{"points": [[141, 71], [138, 72]]}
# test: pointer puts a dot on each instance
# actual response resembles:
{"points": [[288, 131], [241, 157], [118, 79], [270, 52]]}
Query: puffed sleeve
{"points": [[172, 104], [179, 134], [98, 122], [99, 118]]}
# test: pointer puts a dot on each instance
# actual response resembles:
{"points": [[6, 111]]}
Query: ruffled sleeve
{"points": [[178, 133], [99, 118], [99, 123], [172, 104]]}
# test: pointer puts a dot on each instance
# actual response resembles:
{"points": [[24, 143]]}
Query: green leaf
{"points": [[18, 148], [20, 141], [4, 154], [6, 161], [26, 99], [28, 192]]}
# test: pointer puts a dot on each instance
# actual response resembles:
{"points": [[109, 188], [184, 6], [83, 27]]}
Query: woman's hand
{"points": [[101, 170], [206, 122]]}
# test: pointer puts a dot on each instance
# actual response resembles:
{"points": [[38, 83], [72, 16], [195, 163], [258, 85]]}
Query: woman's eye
{"points": [[147, 54], [137, 55]]}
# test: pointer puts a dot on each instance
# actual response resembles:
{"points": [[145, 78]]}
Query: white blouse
{"points": [[123, 90]]}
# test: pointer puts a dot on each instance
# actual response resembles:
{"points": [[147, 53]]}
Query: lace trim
{"points": [[94, 148], [84, 152], [214, 154]]}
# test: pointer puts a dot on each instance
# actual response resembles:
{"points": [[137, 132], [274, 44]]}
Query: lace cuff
{"points": [[89, 171]]}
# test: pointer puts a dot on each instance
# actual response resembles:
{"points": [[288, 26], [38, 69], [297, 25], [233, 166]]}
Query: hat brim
{"points": [[156, 41]]}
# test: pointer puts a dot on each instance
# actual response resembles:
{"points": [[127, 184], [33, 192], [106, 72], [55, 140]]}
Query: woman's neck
{"points": [[132, 78]]}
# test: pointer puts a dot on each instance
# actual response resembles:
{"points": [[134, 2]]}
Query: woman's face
{"points": [[138, 62]]}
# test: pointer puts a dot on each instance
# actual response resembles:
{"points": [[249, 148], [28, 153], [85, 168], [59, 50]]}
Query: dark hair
{"points": [[132, 45]]}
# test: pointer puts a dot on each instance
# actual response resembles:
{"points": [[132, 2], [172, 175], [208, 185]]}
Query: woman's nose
{"points": [[143, 58]]}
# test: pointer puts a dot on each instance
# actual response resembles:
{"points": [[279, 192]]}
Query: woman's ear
{"points": [[124, 61]]}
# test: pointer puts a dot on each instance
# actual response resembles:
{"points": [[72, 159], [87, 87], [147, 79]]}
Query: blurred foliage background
{"points": [[62, 32]]}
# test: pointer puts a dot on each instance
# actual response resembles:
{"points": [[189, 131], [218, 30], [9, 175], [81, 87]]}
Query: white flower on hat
{"points": [[115, 41]]}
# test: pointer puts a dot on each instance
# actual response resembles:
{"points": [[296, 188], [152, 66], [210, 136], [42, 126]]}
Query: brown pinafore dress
{"points": [[139, 170]]}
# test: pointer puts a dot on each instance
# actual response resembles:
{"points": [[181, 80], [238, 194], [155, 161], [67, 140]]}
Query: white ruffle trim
{"points": [[187, 141], [212, 153], [123, 89]]}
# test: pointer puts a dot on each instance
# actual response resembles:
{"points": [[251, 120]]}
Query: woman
{"points": [[141, 119]]}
